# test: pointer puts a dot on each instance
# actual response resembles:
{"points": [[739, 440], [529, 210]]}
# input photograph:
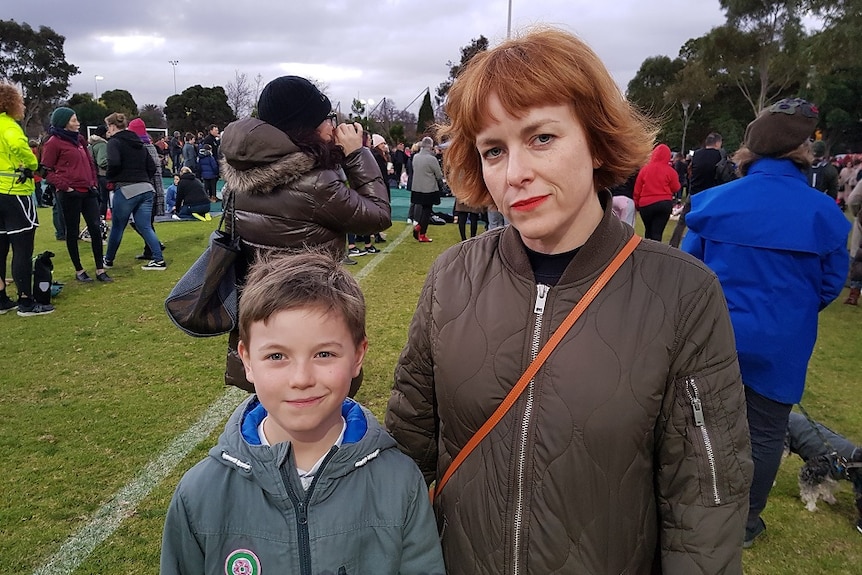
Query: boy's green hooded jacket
{"points": [[243, 507]]}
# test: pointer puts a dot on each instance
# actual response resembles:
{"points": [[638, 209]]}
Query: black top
{"points": [[213, 142], [190, 192], [703, 169], [128, 161], [549, 268]]}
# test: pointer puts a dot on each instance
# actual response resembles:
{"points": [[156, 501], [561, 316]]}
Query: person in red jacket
{"points": [[72, 171], [655, 186]]}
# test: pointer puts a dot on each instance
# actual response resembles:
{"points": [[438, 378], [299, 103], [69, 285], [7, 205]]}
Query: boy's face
{"points": [[301, 363]]}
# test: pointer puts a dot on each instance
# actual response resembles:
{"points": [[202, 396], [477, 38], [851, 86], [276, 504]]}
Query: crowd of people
{"points": [[672, 433]]}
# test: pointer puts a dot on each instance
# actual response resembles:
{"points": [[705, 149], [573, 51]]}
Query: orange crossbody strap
{"points": [[534, 366]]}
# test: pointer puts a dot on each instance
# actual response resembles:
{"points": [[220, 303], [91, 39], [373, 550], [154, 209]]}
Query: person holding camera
{"points": [[70, 168], [298, 179]]}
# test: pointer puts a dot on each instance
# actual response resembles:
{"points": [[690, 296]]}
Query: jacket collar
{"points": [[776, 167], [600, 248], [258, 157]]}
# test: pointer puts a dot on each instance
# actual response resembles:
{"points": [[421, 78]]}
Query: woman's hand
{"points": [[348, 137]]}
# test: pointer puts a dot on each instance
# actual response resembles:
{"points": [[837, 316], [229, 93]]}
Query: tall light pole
{"points": [[367, 104], [509, 22], [685, 118], [96, 79], [685, 105], [174, 64]]}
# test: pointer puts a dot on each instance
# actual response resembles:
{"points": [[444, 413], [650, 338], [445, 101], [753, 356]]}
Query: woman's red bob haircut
{"points": [[544, 67]]}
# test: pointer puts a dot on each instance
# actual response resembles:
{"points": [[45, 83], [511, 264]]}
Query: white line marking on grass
{"points": [[108, 518], [360, 275]]}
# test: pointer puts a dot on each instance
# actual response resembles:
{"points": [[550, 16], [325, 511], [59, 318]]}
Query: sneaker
{"points": [[6, 304], [356, 252], [85, 235], [199, 217], [105, 278], [155, 266], [371, 250], [752, 534], [859, 526], [83, 277], [423, 239], [348, 262], [35, 309], [411, 222], [107, 264], [379, 239], [175, 217]]}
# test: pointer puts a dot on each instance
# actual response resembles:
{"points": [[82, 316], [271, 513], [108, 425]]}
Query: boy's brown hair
{"points": [[293, 280], [545, 67]]}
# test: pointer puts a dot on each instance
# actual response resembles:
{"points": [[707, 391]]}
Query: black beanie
{"points": [[290, 103]]}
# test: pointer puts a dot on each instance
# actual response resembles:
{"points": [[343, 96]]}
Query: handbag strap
{"points": [[534, 366], [229, 208]]}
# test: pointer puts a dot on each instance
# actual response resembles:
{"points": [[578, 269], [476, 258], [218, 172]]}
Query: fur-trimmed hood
{"points": [[258, 157]]}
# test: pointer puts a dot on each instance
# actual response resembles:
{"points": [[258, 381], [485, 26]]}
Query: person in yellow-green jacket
{"points": [[18, 221]]}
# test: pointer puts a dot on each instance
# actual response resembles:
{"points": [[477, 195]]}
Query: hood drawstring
{"points": [[241, 464], [367, 458]]}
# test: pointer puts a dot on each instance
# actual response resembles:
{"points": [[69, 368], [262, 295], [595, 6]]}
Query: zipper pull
{"points": [[696, 405], [541, 296], [698, 412]]}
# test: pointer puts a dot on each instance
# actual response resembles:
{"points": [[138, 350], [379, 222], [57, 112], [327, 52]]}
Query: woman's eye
{"points": [[544, 138], [492, 153]]}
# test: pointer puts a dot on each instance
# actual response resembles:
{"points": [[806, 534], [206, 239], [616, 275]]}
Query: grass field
{"points": [[92, 393]]}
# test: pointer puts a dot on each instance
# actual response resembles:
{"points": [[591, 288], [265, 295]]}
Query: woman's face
{"points": [[73, 124], [539, 171], [326, 129]]}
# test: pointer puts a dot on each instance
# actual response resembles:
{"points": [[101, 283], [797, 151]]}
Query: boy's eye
{"points": [[544, 138], [275, 356], [325, 354]]}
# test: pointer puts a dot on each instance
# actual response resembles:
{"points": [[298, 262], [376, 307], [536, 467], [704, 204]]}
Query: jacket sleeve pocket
{"points": [[709, 416]]}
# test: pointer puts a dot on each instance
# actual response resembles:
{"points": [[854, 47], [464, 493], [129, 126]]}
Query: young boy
{"points": [[303, 480]]}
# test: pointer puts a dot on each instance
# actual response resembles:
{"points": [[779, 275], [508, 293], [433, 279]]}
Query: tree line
{"points": [[761, 53]]}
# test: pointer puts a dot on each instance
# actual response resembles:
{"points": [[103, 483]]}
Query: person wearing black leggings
{"points": [[18, 219], [655, 186], [72, 171], [463, 212]]}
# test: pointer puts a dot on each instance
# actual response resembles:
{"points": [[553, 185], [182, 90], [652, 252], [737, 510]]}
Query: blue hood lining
{"points": [[351, 411]]}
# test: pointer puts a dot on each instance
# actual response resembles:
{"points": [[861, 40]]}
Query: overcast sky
{"points": [[358, 48]]}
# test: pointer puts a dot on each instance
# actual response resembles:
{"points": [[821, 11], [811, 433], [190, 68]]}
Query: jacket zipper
{"points": [[539, 310], [301, 508], [697, 408]]}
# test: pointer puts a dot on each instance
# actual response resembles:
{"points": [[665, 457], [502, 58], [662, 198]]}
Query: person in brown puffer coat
{"points": [[288, 172], [628, 451]]}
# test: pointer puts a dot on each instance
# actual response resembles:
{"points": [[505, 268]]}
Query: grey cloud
{"points": [[400, 47]]}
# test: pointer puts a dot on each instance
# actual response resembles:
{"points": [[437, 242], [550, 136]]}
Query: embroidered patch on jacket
{"points": [[242, 562]]}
